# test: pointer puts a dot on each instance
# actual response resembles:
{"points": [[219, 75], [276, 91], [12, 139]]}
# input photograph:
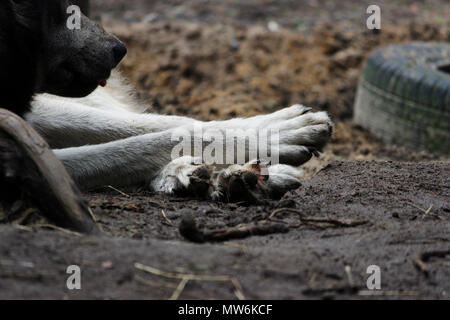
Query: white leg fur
{"points": [[102, 139], [177, 175], [126, 162], [67, 122], [283, 177]]}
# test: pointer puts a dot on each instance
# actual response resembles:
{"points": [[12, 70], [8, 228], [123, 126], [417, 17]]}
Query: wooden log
{"points": [[27, 164]]}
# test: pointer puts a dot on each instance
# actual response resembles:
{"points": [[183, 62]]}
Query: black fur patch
{"points": [[40, 52], [20, 35]]}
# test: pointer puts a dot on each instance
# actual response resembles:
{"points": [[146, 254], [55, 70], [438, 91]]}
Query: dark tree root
{"points": [[30, 170], [421, 261], [190, 231]]}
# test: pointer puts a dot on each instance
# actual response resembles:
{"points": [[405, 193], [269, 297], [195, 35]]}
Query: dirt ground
{"points": [[386, 201], [369, 203]]}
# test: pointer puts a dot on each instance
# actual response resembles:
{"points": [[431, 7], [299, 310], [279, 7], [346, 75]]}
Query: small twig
{"points": [[121, 192], [275, 212], [348, 271], [338, 223], [24, 216], [415, 206], [427, 212], [239, 292], [158, 284], [176, 294], [426, 256], [94, 218], [22, 228], [51, 226], [188, 277], [316, 222], [419, 208], [241, 246], [352, 175], [158, 205], [423, 258], [167, 219], [91, 213], [421, 266]]}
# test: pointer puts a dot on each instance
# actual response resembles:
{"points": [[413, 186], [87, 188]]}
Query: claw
{"points": [[244, 183], [314, 151], [306, 110], [185, 178]]}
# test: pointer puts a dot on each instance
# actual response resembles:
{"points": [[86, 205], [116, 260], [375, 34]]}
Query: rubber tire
{"points": [[404, 96]]}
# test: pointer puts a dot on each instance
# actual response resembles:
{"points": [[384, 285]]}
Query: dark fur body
{"points": [[20, 61], [38, 53]]}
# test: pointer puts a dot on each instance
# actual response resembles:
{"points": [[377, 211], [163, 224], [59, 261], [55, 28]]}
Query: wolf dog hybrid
{"points": [[61, 80]]}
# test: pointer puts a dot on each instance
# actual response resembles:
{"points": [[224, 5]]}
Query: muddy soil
{"points": [[390, 199], [214, 60]]}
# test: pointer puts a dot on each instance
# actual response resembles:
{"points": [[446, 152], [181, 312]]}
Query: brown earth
{"points": [[219, 60]]}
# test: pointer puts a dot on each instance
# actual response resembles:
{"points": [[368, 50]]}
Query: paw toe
{"points": [[199, 182], [202, 173]]}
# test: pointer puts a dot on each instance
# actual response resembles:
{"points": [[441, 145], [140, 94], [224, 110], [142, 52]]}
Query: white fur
{"points": [[106, 139], [176, 175]]}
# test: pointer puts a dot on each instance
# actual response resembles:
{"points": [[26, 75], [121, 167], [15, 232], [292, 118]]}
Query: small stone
{"points": [[288, 203], [138, 236], [107, 264], [151, 17], [174, 215], [206, 210]]}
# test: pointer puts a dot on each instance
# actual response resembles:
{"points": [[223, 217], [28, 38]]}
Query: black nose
{"points": [[119, 52]]}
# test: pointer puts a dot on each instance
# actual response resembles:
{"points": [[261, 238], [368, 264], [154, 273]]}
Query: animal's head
{"points": [[76, 55]]}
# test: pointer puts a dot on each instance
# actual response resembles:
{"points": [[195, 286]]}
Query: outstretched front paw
{"points": [[302, 133], [184, 176], [255, 181], [241, 183]]}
